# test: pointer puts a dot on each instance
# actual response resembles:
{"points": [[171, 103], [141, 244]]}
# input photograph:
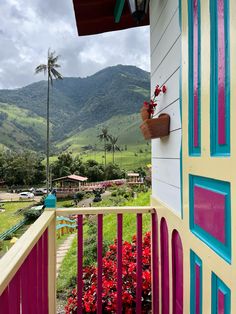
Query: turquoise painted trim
{"points": [[221, 187], [50, 201], [60, 226], [118, 10], [194, 151], [216, 285], [216, 149], [195, 260], [62, 218], [180, 107]]}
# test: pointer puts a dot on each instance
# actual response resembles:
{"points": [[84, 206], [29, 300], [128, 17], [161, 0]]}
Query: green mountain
{"points": [[79, 108]]}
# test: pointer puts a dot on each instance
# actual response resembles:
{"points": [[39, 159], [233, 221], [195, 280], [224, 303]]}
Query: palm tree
{"points": [[104, 136], [112, 146], [49, 69]]}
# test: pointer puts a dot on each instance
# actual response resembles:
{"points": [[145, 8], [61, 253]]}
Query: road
{"points": [[7, 197]]}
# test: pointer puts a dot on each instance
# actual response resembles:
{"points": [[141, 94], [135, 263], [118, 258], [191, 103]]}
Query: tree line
{"points": [[27, 168]]}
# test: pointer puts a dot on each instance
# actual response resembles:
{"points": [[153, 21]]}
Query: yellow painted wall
{"points": [[221, 168]]}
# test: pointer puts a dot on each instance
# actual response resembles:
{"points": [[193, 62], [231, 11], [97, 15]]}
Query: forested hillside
{"points": [[78, 104]]}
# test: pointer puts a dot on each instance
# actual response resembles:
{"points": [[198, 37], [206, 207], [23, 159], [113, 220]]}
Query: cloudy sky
{"points": [[29, 27]]}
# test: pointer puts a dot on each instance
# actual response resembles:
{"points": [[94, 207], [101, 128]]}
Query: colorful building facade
{"points": [[192, 53], [193, 179], [193, 49]]}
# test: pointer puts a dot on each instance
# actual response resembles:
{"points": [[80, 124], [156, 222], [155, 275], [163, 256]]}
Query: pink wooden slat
{"points": [[45, 272], [80, 265], [99, 263], [155, 263], [24, 294], [4, 302], [32, 269], [14, 293], [165, 293], [25, 286], [139, 265], [177, 273], [40, 275], [119, 262]]}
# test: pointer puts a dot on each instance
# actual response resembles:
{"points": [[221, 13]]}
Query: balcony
{"points": [[28, 270]]}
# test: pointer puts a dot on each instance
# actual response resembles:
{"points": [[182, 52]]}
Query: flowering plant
{"points": [[151, 105], [109, 279]]}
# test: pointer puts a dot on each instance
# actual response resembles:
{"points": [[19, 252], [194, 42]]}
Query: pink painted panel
{"points": [[196, 76], [221, 302], [197, 288], [119, 262], [155, 265], [209, 212], [221, 75], [165, 295], [177, 273], [139, 265]]}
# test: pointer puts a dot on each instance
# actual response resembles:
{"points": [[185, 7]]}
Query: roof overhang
{"points": [[97, 16]]}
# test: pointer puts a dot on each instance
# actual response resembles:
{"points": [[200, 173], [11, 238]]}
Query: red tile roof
{"points": [[72, 177]]}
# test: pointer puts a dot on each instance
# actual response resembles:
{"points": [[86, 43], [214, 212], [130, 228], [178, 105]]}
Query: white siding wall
{"points": [[165, 67]]}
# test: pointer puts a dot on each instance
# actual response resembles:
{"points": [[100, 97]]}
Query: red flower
{"points": [[157, 91], [109, 279], [164, 89]]}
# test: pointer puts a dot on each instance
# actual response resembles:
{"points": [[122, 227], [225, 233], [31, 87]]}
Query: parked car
{"points": [[26, 195], [40, 191]]}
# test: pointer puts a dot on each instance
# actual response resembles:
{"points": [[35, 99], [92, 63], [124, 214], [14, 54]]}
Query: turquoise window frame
{"points": [[194, 151], [216, 285], [221, 187], [216, 149], [195, 260]]}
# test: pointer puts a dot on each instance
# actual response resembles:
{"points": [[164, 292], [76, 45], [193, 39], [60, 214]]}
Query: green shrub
{"points": [[80, 195], [90, 243], [32, 214]]}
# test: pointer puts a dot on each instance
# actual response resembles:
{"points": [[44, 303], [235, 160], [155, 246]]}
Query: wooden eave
{"points": [[97, 16]]}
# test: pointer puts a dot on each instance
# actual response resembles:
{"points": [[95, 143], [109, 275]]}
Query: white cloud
{"points": [[29, 27]]}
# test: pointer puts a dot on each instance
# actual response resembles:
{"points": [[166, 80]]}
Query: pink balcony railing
{"points": [[28, 270], [24, 271]]}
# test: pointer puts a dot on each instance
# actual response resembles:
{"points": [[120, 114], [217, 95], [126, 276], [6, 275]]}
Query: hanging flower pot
{"points": [[157, 127]]}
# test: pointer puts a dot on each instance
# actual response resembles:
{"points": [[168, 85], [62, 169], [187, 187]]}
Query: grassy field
{"points": [[68, 270], [20, 127], [135, 152], [124, 127], [10, 217]]}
